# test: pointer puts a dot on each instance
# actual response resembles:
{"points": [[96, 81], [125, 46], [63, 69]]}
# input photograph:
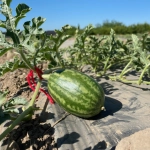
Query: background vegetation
{"points": [[119, 27]]}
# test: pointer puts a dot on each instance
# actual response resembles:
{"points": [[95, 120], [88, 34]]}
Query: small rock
{"points": [[137, 141]]}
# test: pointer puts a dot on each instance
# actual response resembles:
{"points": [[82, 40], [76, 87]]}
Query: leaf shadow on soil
{"points": [[35, 134], [5, 118], [70, 138], [73, 138], [102, 145], [108, 88]]}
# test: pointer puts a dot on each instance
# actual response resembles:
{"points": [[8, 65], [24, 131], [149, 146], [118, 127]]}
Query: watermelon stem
{"points": [[62, 118], [46, 76]]}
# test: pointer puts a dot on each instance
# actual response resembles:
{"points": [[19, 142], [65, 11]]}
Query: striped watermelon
{"points": [[76, 92]]}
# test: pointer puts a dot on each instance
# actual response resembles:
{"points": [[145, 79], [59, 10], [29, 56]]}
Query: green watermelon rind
{"points": [[76, 93]]}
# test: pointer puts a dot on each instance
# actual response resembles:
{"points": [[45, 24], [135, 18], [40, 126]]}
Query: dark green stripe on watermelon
{"points": [[76, 92]]}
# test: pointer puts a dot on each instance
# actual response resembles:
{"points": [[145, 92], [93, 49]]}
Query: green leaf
{"points": [[143, 57], [4, 50], [11, 110], [37, 22], [2, 24], [34, 29], [3, 97], [5, 45], [63, 39], [11, 105], [11, 21], [11, 66], [7, 2], [135, 40], [21, 10], [30, 31], [2, 37], [16, 101]]}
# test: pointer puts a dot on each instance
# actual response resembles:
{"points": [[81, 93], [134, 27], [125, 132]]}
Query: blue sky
{"points": [[83, 12]]}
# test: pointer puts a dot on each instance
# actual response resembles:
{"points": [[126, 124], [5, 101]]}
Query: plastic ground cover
{"points": [[127, 111]]}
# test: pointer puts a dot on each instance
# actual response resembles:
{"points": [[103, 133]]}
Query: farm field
{"points": [[71, 41], [126, 106], [73, 92]]}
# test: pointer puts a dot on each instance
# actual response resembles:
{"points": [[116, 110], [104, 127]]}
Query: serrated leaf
{"points": [[135, 40], [37, 22], [62, 40], [17, 101], [54, 38], [11, 105], [8, 2], [2, 24], [143, 58], [27, 27], [66, 27], [2, 37], [29, 47], [4, 50], [21, 10], [29, 31], [11, 110], [11, 66], [34, 29]]}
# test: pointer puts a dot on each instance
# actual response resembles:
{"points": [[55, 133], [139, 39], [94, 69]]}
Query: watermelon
{"points": [[76, 92]]}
